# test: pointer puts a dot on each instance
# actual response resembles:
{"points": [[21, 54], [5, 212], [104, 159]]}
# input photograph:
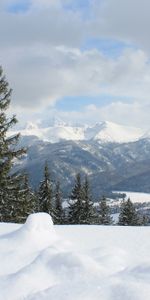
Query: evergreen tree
{"points": [[88, 216], [59, 214], [145, 220], [26, 202], [128, 215], [13, 205], [37, 201], [8, 153], [76, 204], [104, 215], [45, 194]]}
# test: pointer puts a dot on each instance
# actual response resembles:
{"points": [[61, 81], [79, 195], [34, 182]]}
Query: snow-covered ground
{"points": [[39, 261], [136, 197]]}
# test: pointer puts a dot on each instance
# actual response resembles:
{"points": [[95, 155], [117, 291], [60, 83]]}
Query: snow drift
{"points": [[40, 261]]}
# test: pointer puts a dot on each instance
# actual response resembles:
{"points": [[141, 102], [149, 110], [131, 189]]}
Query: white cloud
{"points": [[41, 23], [124, 20], [132, 114], [129, 114], [41, 76], [41, 56]]}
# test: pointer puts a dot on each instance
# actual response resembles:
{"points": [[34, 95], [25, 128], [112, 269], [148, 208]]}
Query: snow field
{"points": [[136, 197], [40, 261]]}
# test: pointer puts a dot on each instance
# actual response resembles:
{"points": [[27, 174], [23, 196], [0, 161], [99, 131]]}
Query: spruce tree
{"points": [[104, 215], [59, 214], [14, 203], [145, 220], [76, 204], [37, 201], [88, 216], [8, 153], [45, 194], [128, 215], [26, 202]]}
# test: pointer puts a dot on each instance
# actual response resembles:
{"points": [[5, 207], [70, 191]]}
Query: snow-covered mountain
{"points": [[146, 135], [103, 132], [112, 132], [115, 157], [54, 133], [110, 166]]}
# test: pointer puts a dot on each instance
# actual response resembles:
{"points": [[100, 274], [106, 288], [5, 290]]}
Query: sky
{"points": [[81, 61]]}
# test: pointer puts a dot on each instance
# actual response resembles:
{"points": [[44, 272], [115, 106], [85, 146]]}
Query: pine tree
{"points": [[145, 220], [37, 201], [104, 216], [26, 202], [13, 205], [128, 215], [45, 194], [8, 153], [76, 204], [88, 216], [59, 214]]}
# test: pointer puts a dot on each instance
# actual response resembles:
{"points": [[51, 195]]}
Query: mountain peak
{"points": [[103, 132]]}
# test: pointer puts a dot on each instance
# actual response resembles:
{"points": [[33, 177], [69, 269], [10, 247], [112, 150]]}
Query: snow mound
{"points": [[20, 247], [39, 222], [100, 262], [37, 233]]}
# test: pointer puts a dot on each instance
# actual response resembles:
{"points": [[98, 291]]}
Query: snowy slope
{"points": [[137, 197], [146, 135], [54, 133], [86, 263], [111, 132], [103, 131]]}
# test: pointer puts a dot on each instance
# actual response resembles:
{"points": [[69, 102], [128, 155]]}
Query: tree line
{"points": [[18, 200]]}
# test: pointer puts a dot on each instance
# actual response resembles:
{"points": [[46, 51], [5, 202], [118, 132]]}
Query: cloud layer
{"points": [[44, 59]]}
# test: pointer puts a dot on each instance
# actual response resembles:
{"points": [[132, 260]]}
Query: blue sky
{"points": [[19, 6], [78, 103], [79, 6], [108, 46], [95, 57]]}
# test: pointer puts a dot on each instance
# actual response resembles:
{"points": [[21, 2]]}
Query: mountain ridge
{"points": [[104, 132], [114, 157], [109, 166]]}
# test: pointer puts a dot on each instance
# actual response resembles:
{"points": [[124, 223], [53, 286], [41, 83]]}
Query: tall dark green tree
{"points": [[15, 198], [59, 213], [128, 215], [88, 214], [104, 215], [76, 203], [26, 202], [45, 194], [8, 153]]}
